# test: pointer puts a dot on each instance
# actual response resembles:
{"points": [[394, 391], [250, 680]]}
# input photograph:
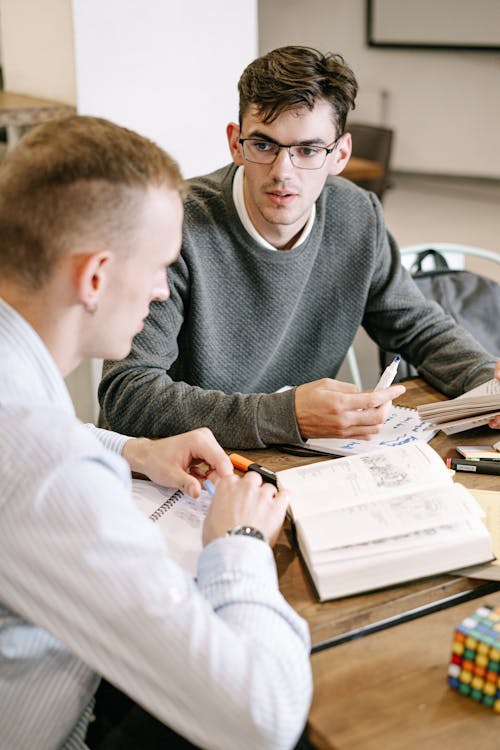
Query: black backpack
{"points": [[471, 299]]}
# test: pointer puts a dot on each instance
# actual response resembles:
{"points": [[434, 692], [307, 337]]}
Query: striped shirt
{"points": [[87, 588]]}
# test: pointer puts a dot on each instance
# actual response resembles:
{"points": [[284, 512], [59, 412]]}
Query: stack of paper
{"points": [[472, 409], [479, 452]]}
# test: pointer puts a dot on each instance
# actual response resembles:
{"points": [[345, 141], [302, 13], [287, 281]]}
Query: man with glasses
{"points": [[282, 261]]}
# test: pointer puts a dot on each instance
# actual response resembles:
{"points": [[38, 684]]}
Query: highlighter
{"points": [[244, 464], [476, 467]]}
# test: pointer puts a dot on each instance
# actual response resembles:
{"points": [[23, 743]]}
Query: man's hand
{"points": [[245, 502], [173, 461], [495, 422], [330, 408]]}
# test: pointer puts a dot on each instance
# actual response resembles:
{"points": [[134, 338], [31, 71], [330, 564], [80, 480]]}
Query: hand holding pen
{"points": [[331, 408]]}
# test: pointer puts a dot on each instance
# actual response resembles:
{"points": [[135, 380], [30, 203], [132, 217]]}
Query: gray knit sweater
{"points": [[242, 321]]}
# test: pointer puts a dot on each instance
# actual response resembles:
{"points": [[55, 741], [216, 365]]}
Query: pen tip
{"points": [[209, 486]]}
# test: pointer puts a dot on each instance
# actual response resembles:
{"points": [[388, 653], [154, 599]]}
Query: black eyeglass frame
{"points": [[327, 149]]}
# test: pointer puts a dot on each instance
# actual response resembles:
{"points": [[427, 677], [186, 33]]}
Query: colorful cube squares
{"points": [[474, 668]]}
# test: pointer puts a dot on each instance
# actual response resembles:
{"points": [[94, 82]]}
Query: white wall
{"points": [[166, 69], [37, 48], [444, 106]]}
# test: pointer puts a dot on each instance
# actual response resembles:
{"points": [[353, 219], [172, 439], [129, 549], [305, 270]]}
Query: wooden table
{"points": [[18, 111], [362, 169], [388, 690]]}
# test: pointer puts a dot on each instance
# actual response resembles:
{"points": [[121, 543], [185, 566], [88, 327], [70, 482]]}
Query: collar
{"points": [[27, 369]]}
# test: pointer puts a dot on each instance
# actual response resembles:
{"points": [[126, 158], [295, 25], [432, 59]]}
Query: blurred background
{"points": [[169, 70]]}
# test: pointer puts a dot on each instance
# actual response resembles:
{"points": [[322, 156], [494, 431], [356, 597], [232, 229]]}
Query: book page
{"points": [[178, 516], [345, 482], [472, 409], [404, 543], [469, 423], [391, 517], [490, 388]]}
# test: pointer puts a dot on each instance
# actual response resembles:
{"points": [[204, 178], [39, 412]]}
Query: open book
{"points": [[401, 427], [471, 409], [179, 517], [381, 518]]}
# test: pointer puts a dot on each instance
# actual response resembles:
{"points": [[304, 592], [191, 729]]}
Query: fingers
{"points": [[323, 409], [245, 502], [187, 483], [204, 446], [339, 386], [497, 370], [372, 399]]}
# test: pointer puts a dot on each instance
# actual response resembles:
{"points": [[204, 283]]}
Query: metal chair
{"points": [[352, 362], [453, 248]]}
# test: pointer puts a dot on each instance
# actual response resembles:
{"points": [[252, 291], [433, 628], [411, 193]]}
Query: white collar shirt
{"points": [[87, 589]]}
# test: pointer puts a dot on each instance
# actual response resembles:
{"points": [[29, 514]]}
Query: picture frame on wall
{"points": [[456, 25]]}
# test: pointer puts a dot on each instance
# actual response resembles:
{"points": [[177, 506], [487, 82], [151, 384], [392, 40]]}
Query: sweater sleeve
{"points": [[139, 397]]}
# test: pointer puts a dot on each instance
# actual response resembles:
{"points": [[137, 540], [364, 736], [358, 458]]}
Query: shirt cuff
{"points": [[113, 441]]}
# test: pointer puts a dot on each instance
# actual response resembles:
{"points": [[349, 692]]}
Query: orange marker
{"points": [[244, 464]]}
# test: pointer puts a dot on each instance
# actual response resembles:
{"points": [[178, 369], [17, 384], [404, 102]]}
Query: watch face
{"points": [[247, 531]]}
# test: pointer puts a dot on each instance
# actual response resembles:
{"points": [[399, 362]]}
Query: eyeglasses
{"points": [[303, 157]]}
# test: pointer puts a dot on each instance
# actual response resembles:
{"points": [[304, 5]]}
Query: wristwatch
{"points": [[247, 531]]}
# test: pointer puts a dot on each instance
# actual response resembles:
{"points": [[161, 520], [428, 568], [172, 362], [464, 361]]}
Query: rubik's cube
{"points": [[474, 668]]}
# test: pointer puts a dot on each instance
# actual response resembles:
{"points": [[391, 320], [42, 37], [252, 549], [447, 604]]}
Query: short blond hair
{"points": [[74, 179]]}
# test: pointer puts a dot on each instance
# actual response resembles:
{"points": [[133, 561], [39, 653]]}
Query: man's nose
{"points": [[283, 164]]}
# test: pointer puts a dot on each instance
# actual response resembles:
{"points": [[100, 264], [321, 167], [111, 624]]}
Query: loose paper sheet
{"points": [[490, 503]]}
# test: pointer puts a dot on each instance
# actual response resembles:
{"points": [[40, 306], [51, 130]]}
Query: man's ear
{"points": [[233, 133], [90, 275], [341, 154]]}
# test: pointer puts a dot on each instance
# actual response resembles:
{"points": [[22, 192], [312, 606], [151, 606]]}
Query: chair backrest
{"points": [[373, 142], [471, 299], [453, 248]]}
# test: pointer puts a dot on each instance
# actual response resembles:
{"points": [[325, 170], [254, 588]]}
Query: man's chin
{"points": [[117, 352]]}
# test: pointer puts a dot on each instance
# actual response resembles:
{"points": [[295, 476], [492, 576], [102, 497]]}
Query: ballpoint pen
{"points": [[389, 374], [476, 467], [244, 464], [209, 486]]}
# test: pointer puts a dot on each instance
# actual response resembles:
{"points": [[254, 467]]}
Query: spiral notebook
{"points": [[179, 518], [402, 426]]}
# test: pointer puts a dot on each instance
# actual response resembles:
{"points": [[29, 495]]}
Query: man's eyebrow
{"points": [[257, 135]]}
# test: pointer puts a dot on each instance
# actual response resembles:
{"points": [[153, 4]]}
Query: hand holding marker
{"points": [[244, 464]]}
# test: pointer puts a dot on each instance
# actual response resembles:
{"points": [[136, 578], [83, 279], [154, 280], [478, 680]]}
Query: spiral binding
{"points": [[166, 506]]}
